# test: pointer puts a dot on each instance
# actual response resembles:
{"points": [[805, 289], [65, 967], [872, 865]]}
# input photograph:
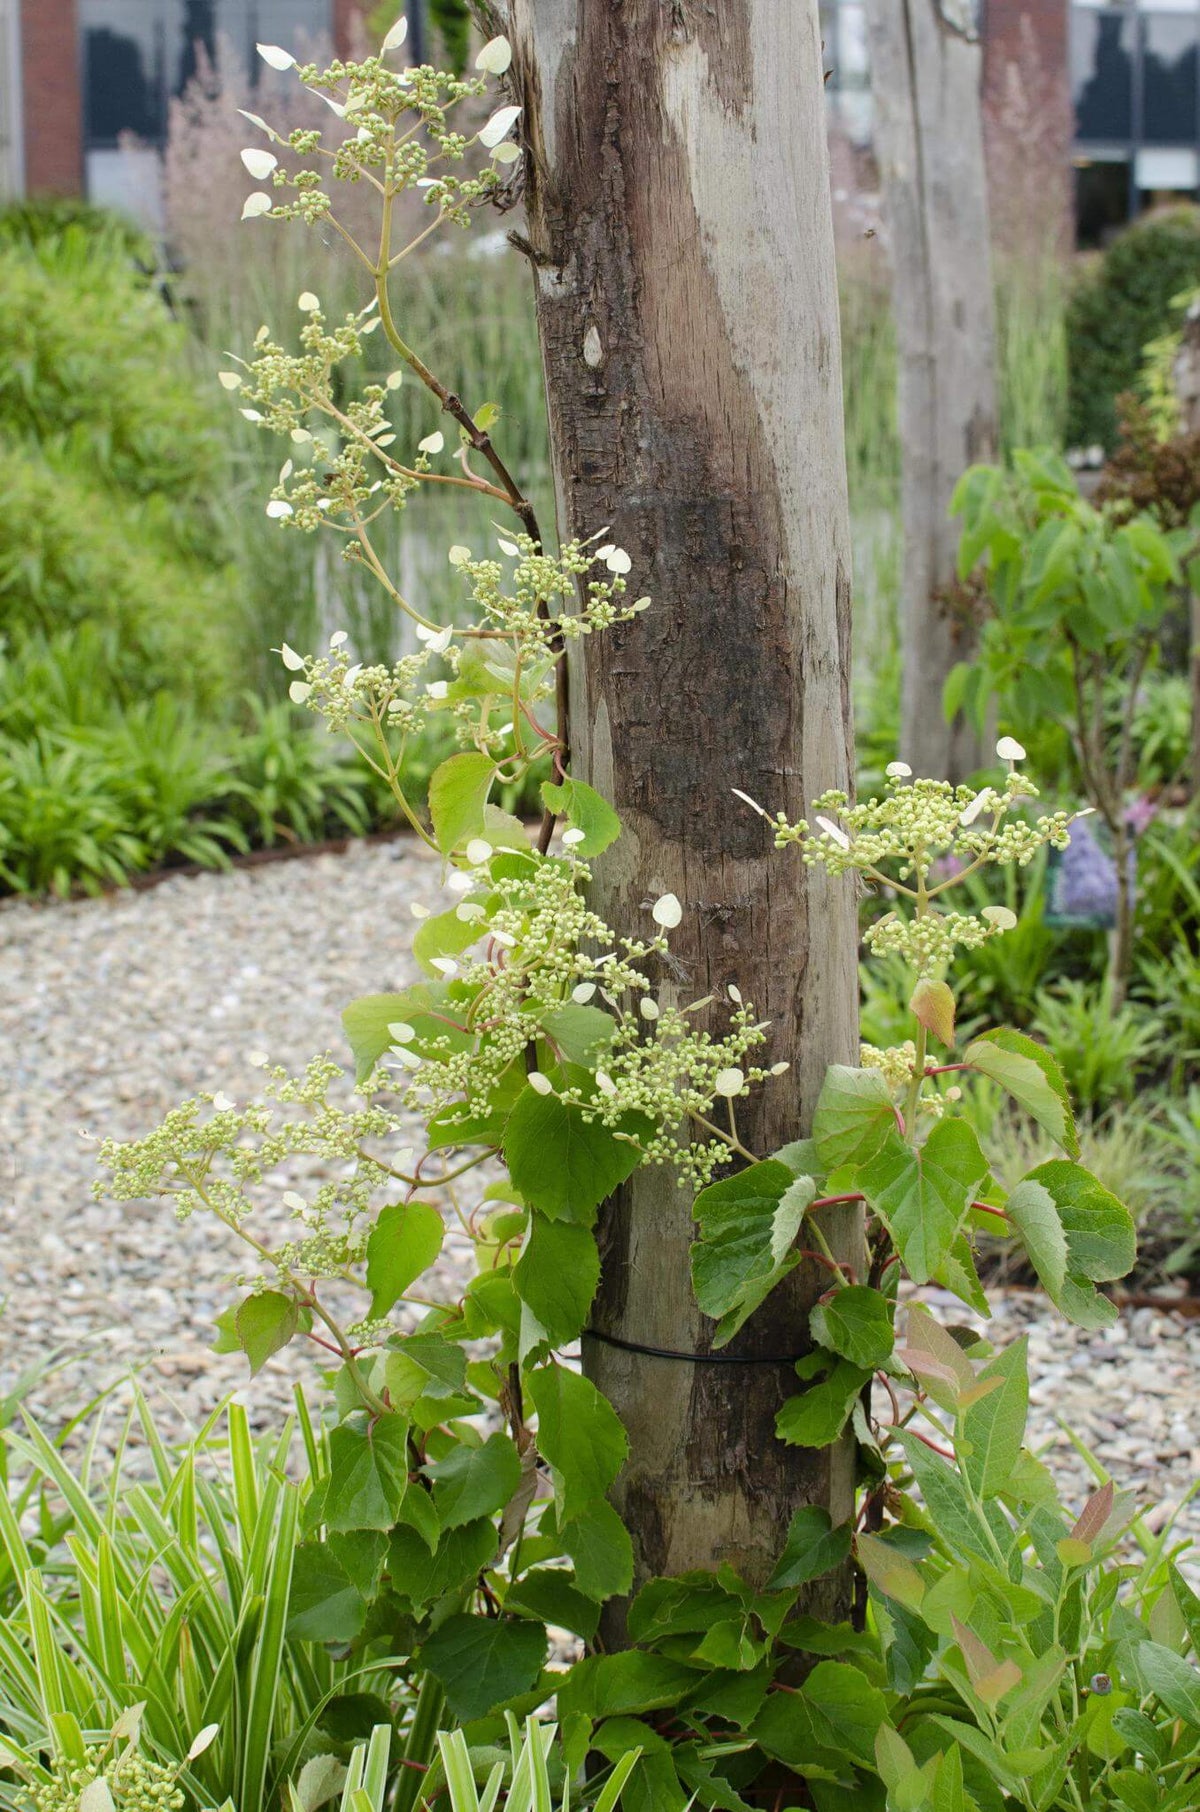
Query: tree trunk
{"points": [[680, 225], [925, 80]]}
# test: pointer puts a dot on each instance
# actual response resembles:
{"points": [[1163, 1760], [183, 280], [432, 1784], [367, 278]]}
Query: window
{"points": [[1135, 83], [138, 53]]}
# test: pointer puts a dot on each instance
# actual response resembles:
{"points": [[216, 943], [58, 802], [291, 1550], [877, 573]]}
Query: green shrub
{"points": [[1122, 304], [1101, 1052]]}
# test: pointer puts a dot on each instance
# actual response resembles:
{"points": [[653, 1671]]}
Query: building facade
{"points": [[85, 87]]}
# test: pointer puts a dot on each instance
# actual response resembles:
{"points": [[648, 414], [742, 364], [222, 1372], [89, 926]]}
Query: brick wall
{"points": [[50, 96]]}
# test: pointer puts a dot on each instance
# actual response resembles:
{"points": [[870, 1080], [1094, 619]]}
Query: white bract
{"points": [[432, 443], [495, 56], [229, 379], [396, 35], [499, 126], [259, 163], [729, 1082], [257, 204], [292, 661], [1009, 749], [667, 912], [276, 56]]}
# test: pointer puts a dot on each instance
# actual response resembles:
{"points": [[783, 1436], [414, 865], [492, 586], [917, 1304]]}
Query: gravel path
{"points": [[111, 1010]]}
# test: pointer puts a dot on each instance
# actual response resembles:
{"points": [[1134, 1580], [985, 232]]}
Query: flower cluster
{"points": [[134, 1783], [396, 135], [211, 1154], [921, 830]]}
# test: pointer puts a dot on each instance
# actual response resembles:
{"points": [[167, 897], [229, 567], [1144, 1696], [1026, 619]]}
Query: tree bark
{"points": [[926, 72], [680, 226]]}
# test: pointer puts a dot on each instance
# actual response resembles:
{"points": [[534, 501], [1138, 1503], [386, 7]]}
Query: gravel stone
{"points": [[113, 1009]]}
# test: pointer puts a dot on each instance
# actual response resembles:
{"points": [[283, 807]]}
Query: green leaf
{"points": [[817, 1417], [1031, 1076], [263, 1324], [404, 1242], [422, 1577], [579, 1435], [788, 1218], [854, 1115], [581, 1033], [484, 1661], [684, 1604], [888, 1570], [610, 1686], [945, 1496], [933, 1004], [444, 934], [367, 1019], [923, 1195], [732, 1264], [550, 1595], [458, 791], [557, 1275], [856, 1323], [1032, 1212], [368, 1473], [847, 1711], [597, 1541], [992, 1428], [561, 1163], [1101, 1243], [474, 1481], [333, 1582], [813, 1548], [1173, 1681], [585, 810]]}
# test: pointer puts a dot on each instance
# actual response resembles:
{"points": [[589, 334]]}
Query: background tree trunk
{"points": [[681, 230], [926, 71]]}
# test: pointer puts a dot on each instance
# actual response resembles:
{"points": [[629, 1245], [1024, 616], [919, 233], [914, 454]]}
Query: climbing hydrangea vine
{"points": [[457, 1509]]}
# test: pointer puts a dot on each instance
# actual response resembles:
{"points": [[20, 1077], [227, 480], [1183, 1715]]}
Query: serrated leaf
{"points": [[1032, 1212], [613, 1686], [1032, 1077], [444, 934], [856, 1323], [933, 1004], [484, 1661], [847, 1710], [581, 1033], [423, 1008], [579, 1435], [368, 1473], [812, 1549], [598, 1543], [992, 1429], [1101, 1243], [458, 791], [333, 1582], [557, 1275], [585, 810], [561, 1163], [923, 1195], [817, 1416], [404, 1242], [789, 1215], [474, 1481], [423, 1577], [732, 1264], [853, 1117], [550, 1595], [888, 1570], [264, 1323]]}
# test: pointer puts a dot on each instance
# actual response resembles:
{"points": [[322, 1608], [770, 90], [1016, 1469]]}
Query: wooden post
{"points": [[925, 81], [681, 232]]}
